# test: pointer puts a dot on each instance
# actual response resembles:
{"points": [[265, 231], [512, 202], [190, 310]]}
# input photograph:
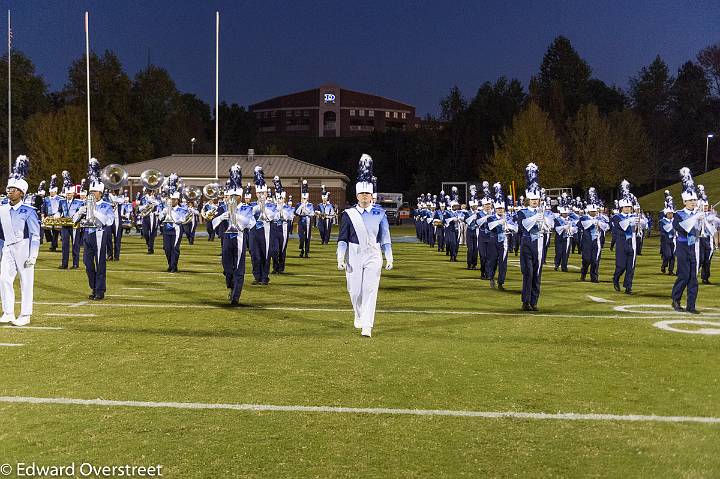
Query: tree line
{"points": [[579, 130]]}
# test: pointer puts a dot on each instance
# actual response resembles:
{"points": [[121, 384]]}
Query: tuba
{"points": [[114, 176], [192, 193], [211, 191], [152, 179]]}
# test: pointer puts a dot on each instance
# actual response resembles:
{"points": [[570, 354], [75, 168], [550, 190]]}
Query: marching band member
{"points": [[207, 213], [641, 229], [236, 235], [149, 206], [280, 231], [260, 245], [304, 212], [439, 222], [564, 231], [20, 243], [115, 238], [69, 233], [98, 221], [471, 236], [326, 216], [171, 218], [364, 233], [667, 236], [52, 210], [532, 225], [625, 226], [452, 231], [707, 235], [688, 225], [593, 226], [499, 225], [483, 231], [188, 228]]}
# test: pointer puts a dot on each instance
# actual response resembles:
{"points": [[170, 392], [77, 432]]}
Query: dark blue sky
{"points": [[410, 51]]}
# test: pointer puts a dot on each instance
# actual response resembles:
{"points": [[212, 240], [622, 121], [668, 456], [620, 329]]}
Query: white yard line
{"points": [[570, 416], [598, 299], [382, 311], [72, 315], [34, 327], [10, 345]]}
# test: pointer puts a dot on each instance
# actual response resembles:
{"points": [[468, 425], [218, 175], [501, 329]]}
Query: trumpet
{"points": [[701, 224], [210, 213]]}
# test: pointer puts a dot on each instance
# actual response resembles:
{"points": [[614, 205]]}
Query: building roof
{"points": [[203, 166], [311, 99]]}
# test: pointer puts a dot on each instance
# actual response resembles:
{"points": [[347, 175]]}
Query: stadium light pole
{"points": [[707, 146], [192, 145]]}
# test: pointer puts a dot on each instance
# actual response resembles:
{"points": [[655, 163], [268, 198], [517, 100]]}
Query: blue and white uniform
{"points": [[171, 220]]}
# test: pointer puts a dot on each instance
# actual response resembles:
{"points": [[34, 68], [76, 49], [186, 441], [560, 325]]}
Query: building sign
{"points": [[329, 98]]}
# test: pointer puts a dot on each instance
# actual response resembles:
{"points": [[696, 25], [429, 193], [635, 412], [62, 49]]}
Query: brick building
{"points": [[332, 111]]}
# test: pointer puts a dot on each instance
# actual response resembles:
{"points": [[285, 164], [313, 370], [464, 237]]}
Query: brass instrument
{"points": [[152, 179], [192, 193], [232, 215], [703, 234], [50, 222], [89, 221], [114, 176], [211, 191], [168, 211], [147, 209]]}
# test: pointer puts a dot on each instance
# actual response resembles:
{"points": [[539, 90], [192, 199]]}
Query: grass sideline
{"points": [[577, 355], [655, 201]]}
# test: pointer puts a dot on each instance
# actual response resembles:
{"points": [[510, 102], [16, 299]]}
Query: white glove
{"points": [[82, 210], [224, 216], [56, 215], [388, 265], [633, 221], [341, 266], [30, 261]]}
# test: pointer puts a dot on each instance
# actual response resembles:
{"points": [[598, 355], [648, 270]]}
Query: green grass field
{"points": [[443, 340], [655, 201]]}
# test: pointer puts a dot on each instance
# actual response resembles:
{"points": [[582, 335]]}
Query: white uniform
{"points": [[20, 245], [364, 235]]}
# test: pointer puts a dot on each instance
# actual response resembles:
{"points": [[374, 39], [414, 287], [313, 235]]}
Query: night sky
{"points": [[409, 51]]}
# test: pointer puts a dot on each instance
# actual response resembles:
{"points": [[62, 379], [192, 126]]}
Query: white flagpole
{"points": [[217, 84], [9, 102], [87, 75]]}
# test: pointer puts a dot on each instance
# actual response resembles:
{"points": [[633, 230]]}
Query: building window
{"points": [[329, 119], [362, 112], [274, 114], [371, 112], [352, 112], [387, 114], [404, 115], [306, 113], [394, 114]]}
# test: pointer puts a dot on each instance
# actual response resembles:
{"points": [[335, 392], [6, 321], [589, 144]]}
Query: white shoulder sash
{"points": [[360, 229], [9, 232]]}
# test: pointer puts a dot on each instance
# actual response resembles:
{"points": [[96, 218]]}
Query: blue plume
{"points": [[374, 183], [41, 186], [235, 179], [21, 168], [486, 189], [688, 184], [454, 196], [304, 187], [249, 189], [259, 176], [669, 201], [365, 169], [510, 201], [499, 196], [592, 197], [53, 181], [93, 170], [172, 183], [531, 177], [625, 190], [701, 192], [278, 185], [67, 180]]}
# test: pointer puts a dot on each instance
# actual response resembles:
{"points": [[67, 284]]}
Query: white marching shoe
{"points": [[357, 323], [22, 320], [7, 318], [367, 332]]}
